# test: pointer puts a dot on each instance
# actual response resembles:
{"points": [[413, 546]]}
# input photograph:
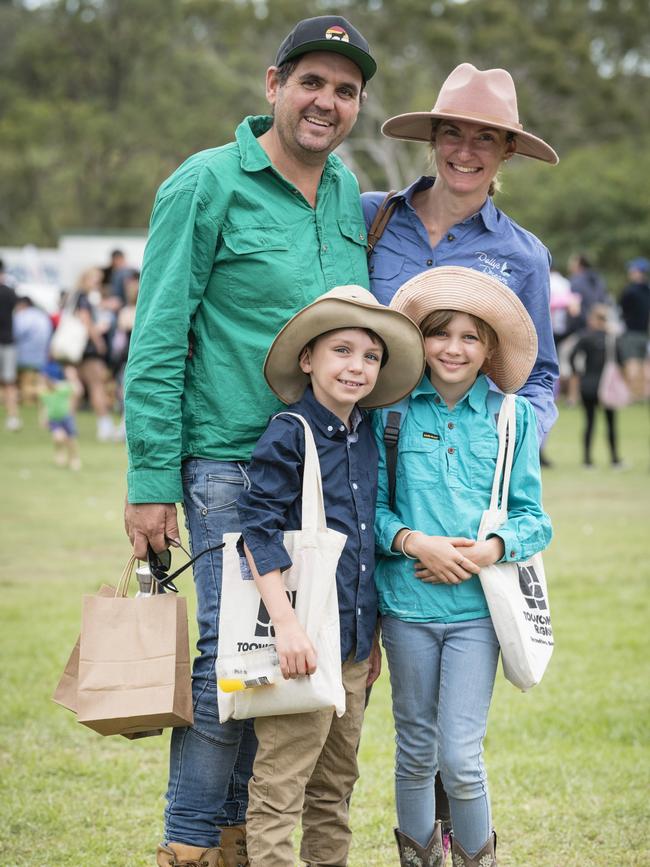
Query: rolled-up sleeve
{"points": [[275, 475], [177, 265]]}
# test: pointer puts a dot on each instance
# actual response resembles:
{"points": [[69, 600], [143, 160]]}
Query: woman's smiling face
{"points": [[468, 156]]}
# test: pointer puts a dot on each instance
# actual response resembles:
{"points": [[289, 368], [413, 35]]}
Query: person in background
{"points": [[57, 397], [8, 368], [242, 237], [635, 312], [587, 359], [121, 341], [32, 332], [588, 285]]}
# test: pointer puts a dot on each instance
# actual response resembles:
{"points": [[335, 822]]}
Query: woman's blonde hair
{"points": [[438, 319]]}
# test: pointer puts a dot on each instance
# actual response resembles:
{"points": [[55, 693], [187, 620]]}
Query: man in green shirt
{"points": [[242, 237]]}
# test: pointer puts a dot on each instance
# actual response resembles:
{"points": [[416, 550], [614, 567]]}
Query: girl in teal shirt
{"points": [[440, 643]]}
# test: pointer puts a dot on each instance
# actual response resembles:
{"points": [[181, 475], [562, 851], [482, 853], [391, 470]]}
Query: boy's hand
{"points": [[485, 553], [295, 651], [441, 560]]}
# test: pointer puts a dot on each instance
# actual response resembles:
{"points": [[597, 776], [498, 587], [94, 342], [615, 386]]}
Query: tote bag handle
{"points": [[507, 430], [313, 505]]}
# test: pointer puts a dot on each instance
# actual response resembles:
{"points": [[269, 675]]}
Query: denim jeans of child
{"points": [[210, 763], [442, 676]]}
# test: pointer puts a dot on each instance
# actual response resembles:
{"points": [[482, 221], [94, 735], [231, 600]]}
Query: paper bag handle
{"points": [[122, 588]]}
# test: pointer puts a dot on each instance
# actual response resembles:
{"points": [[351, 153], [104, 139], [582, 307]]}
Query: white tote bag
{"points": [[71, 335], [311, 584], [515, 592]]}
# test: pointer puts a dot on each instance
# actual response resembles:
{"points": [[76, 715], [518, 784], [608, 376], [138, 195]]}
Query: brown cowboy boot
{"points": [[180, 855], [233, 846], [411, 854], [485, 857]]}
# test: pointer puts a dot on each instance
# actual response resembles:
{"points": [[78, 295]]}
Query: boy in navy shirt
{"points": [[340, 353]]}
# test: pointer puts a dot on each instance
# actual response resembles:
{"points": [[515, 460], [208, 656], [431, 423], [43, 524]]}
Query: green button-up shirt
{"points": [[234, 250], [445, 466]]}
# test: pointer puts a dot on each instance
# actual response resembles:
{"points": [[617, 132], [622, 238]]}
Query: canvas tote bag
{"points": [[134, 662], [311, 585], [516, 593], [71, 335]]}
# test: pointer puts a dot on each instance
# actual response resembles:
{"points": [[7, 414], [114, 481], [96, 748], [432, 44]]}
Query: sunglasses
{"points": [[160, 563]]}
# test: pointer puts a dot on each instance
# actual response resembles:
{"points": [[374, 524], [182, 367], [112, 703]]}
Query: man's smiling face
{"points": [[318, 106]]}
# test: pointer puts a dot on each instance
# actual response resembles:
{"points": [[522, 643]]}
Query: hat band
{"points": [[479, 116]]}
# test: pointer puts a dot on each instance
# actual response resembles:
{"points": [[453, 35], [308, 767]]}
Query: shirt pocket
{"points": [[418, 462], [259, 266], [354, 242], [385, 270], [483, 462]]}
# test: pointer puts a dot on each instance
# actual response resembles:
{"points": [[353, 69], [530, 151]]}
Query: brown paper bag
{"points": [[134, 663], [65, 693]]}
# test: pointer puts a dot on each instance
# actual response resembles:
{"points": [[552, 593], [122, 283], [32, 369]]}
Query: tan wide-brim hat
{"points": [[487, 97], [348, 307], [452, 287]]}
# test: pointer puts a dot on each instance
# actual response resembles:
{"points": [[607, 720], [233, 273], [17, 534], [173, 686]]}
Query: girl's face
{"points": [[455, 355], [469, 155]]}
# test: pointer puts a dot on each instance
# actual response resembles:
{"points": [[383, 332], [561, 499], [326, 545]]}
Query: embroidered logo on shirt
{"points": [[430, 436], [489, 265]]}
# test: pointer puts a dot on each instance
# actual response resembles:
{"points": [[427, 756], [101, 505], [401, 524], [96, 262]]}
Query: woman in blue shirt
{"points": [[440, 643], [451, 219]]}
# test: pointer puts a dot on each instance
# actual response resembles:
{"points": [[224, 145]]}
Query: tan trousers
{"points": [[306, 764]]}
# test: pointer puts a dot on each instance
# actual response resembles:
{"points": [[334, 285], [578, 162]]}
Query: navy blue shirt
{"points": [[348, 461]]}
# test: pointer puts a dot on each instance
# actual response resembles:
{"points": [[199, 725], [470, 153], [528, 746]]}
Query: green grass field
{"points": [[569, 763]]}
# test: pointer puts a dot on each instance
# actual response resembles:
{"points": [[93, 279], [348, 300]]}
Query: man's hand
{"points": [[155, 524], [375, 661]]}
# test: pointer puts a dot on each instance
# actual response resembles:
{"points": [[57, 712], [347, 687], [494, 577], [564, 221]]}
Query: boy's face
{"points": [[455, 355], [343, 366]]}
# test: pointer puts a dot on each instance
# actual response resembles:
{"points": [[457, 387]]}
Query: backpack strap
{"points": [[392, 418], [382, 215]]}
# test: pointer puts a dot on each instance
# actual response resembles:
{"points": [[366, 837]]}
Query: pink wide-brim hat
{"points": [[487, 97]]}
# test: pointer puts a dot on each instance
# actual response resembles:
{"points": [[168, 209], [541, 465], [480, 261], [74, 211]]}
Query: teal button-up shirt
{"points": [[234, 250], [445, 466]]}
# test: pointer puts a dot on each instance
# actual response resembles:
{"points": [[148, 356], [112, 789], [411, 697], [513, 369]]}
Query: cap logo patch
{"points": [[338, 33]]}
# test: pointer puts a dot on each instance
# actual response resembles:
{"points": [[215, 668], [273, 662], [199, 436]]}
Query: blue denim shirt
{"points": [[488, 241], [348, 461], [445, 466]]}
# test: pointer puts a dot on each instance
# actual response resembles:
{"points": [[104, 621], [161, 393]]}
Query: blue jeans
{"points": [[442, 676], [210, 763]]}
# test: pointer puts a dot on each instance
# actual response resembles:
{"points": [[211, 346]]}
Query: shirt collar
{"points": [[476, 396], [329, 424], [488, 212], [253, 156]]}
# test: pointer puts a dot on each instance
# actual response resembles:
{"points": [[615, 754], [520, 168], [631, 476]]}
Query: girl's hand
{"points": [[441, 560], [295, 651], [485, 553]]}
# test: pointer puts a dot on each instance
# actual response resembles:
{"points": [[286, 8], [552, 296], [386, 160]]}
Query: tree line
{"points": [[101, 99]]}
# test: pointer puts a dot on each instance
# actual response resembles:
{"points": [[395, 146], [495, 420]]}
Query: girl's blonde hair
{"points": [[438, 319]]}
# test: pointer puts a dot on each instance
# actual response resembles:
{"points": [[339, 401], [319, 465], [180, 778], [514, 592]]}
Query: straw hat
{"points": [[469, 94], [348, 307], [468, 291]]}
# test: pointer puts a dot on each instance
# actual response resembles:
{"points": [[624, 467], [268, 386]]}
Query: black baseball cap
{"points": [[328, 33]]}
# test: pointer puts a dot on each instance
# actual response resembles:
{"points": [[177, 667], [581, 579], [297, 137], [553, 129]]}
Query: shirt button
{"points": [[363, 567], [363, 526], [451, 237], [342, 427], [324, 248], [371, 269], [429, 262], [354, 485], [451, 451], [513, 554], [329, 427], [362, 237], [450, 425]]}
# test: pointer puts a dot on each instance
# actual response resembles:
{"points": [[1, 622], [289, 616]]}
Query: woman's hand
{"points": [[441, 559]]}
